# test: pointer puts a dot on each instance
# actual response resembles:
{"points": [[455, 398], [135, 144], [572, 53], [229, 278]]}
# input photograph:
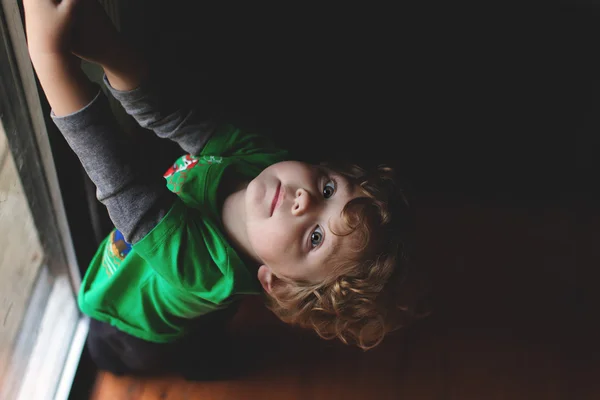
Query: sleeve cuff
{"points": [[126, 95], [79, 112], [89, 114]]}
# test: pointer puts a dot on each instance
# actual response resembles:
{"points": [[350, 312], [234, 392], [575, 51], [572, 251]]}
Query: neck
{"points": [[233, 215]]}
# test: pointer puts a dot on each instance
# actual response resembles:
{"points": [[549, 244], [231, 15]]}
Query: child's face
{"points": [[292, 210]]}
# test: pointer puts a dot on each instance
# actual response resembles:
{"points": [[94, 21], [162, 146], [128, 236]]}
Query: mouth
{"points": [[276, 198]]}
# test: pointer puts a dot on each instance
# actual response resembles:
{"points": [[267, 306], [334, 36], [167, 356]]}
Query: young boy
{"points": [[323, 242]]}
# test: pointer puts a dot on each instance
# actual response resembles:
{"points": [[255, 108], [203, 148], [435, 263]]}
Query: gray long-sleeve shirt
{"points": [[136, 202]]}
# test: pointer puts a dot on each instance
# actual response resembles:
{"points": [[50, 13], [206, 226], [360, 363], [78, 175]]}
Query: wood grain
{"points": [[514, 319]]}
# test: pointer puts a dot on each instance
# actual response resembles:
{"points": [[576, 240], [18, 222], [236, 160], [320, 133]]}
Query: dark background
{"points": [[491, 106], [491, 103], [482, 101], [492, 111]]}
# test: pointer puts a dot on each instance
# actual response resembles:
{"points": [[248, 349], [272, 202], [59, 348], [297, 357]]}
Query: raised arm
{"points": [[49, 27], [128, 77], [135, 202]]}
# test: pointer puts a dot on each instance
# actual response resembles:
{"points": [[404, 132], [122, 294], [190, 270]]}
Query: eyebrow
{"points": [[336, 244], [339, 179], [348, 186]]}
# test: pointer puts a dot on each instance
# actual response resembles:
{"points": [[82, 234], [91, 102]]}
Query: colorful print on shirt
{"points": [[178, 173], [115, 252]]}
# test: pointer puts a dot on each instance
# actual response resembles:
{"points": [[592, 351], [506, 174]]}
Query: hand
{"points": [[49, 26], [95, 37]]}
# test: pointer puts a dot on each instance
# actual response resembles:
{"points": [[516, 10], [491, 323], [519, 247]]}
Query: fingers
{"points": [[39, 5], [67, 5], [48, 7], [48, 25], [66, 8]]}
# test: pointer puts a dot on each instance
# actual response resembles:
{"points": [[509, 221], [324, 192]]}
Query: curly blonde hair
{"points": [[367, 295]]}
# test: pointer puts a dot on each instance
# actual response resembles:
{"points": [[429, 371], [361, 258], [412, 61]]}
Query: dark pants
{"points": [[205, 353]]}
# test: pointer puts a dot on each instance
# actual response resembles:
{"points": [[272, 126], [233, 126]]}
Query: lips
{"points": [[276, 198]]}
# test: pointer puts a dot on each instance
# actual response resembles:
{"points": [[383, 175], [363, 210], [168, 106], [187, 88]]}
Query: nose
{"points": [[302, 202]]}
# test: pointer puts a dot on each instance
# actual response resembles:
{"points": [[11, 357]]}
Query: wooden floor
{"points": [[515, 318]]}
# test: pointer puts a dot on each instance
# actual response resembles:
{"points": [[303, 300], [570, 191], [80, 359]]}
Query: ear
{"points": [[265, 276]]}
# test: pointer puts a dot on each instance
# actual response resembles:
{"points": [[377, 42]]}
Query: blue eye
{"points": [[329, 189], [316, 237]]}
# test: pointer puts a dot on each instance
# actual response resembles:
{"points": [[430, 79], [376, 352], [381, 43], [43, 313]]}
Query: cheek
{"points": [[269, 240], [255, 195]]}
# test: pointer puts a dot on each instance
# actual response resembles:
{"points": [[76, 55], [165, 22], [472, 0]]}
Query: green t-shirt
{"points": [[184, 267]]}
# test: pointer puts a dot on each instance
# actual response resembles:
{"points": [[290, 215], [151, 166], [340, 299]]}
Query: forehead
{"points": [[342, 248], [346, 189]]}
